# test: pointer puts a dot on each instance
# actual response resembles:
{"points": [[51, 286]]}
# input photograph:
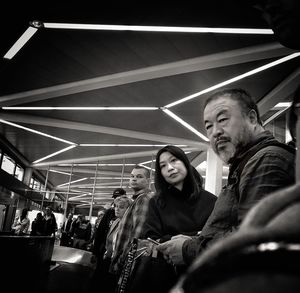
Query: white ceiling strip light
{"points": [[157, 28], [234, 79], [59, 172], [54, 154], [64, 184], [20, 42], [83, 108], [185, 124], [37, 132], [93, 165], [125, 145], [35, 25]]}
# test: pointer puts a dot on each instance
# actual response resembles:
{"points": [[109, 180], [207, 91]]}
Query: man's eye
{"points": [[222, 120], [208, 126]]}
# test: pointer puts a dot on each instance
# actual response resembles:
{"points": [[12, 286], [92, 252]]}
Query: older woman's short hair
{"points": [[123, 199]]}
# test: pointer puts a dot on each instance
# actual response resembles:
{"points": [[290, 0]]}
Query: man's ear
{"points": [[252, 117]]}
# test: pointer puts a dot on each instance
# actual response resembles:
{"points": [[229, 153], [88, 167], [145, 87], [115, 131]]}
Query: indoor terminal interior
{"points": [[87, 93]]}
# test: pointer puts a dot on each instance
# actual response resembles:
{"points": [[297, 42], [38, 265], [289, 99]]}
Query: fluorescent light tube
{"points": [[157, 28], [20, 42], [185, 124]]}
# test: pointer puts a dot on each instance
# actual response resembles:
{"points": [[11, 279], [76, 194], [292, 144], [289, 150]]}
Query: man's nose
{"points": [[217, 130]]}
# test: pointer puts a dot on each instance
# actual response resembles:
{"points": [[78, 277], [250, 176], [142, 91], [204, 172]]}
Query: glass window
{"points": [[8, 165], [36, 185], [31, 182], [19, 173]]}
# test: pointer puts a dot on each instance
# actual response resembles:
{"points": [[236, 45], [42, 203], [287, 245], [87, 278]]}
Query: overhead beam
{"points": [[284, 89], [210, 61], [107, 157], [58, 123]]}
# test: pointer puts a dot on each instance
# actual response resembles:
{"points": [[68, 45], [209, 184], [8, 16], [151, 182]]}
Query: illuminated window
{"points": [[19, 173], [8, 165]]}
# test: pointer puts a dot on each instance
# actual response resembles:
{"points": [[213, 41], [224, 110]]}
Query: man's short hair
{"points": [[244, 99], [147, 172]]}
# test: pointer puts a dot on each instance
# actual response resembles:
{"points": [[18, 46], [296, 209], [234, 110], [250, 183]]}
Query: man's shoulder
{"points": [[280, 150], [144, 196]]}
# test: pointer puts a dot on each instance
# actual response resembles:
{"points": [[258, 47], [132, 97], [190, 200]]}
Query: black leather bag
{"points": [[145, 270]]}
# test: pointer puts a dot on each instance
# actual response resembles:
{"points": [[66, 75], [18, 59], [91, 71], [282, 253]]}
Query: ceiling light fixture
{"points": [[54, 154], [147, 162], [282, 105], [20, 42], [124, 145], [36, 132], [278, 113], [145, 28], [81, 179], [35, 25], [185, 124], [234, 79], [59, 172], [92, 165], [83, 108]]}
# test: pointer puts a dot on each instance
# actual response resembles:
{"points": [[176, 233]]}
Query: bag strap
{"points": [[124, 277]]}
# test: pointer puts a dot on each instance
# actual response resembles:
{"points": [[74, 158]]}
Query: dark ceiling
{"points": [[92, 68]]}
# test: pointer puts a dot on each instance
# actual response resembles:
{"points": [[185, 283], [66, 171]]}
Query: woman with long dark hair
{"points": [[180, 206]]}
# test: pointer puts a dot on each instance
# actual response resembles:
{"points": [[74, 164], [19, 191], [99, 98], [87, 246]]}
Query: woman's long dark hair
{"points": [[193, 183]]}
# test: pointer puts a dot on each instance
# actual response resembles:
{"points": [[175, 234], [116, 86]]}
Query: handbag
{"points": [[145, 270]]}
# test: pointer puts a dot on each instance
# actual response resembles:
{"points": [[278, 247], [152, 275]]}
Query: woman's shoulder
{"points": [[206, 195]]}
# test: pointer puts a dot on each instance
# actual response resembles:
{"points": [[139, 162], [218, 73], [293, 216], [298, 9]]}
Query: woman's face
{"points": [[172, 169], [120, 209]]}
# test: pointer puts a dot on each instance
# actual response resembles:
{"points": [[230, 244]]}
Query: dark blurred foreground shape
{"points": [[264, 256], [25, 262], [34, 264]]}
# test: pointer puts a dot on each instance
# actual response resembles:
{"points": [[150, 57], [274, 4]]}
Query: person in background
{"points": [[66, 237], [104, 279], [180, 206], [100, 215], [38, 225], [130, 226], [21, 223], [258, 165], [50, 222], [101, 231], [81, 231]]}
